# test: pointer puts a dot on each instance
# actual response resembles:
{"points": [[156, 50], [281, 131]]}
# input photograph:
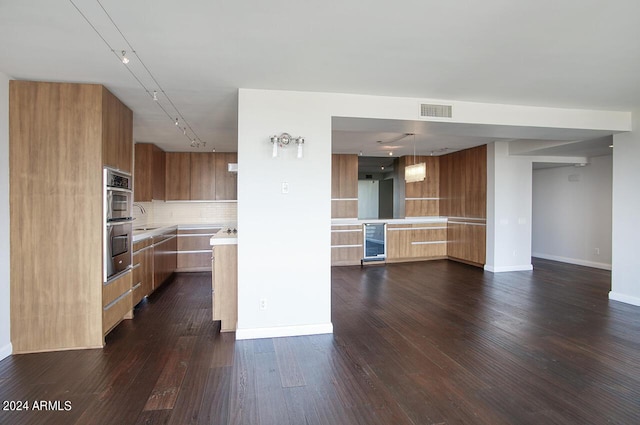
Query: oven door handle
{"points": [[119, 222]]}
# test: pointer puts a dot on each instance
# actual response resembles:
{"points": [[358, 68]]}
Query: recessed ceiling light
{"points": [[390, 153], [125, 60], [382, 168]]}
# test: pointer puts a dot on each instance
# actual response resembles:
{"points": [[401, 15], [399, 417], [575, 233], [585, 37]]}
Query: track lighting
{"points": [[176, 121], [155, 95], [125, 60]]}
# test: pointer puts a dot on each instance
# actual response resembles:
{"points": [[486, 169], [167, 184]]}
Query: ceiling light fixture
{"points": [[155, 95], [415, 172], [125, 60]]}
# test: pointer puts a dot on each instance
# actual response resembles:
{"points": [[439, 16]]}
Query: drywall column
{"points": [[509, 189], [5, 318], [284, 216], [625, 284]]}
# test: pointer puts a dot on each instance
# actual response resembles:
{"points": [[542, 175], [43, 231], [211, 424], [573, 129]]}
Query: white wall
{"points": [[5, 326], [572, 213], [625, 279], [508, 210], [284, 240]]}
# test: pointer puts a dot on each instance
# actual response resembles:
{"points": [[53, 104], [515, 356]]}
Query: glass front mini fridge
{"points": [[375, 247]]}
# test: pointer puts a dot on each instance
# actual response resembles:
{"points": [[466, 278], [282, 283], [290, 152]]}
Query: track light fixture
{"points": [[165, 104]]}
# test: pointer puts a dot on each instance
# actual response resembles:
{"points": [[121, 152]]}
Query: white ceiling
{"points": [[558, 53]]}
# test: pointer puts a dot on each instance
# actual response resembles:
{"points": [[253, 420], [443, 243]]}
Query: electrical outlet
{"points": [[596, 251], [263, 304], [285, 188]]}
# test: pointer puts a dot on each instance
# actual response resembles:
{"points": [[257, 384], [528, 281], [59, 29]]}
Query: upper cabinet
{"points": [[226, 181], [200, 176], [149, 173], [178, 176], [203, 176], [117, 133], [463, 183]]}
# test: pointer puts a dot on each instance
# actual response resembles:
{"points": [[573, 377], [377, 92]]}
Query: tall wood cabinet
{"points": [[61, 136], [344, 186], [463, 192]]}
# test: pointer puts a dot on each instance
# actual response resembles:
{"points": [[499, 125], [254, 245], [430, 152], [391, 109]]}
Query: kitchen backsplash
{"points": [[159, 212]]}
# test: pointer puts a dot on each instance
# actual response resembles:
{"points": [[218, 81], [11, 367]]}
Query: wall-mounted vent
{"points": [[436, 111]]}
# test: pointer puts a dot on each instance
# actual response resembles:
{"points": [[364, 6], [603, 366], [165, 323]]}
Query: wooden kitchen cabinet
{"points": [[116, 301], [202, 176], [346, 244], [422, 199], [178, 176], [225, 286], [61, 135], [344, 186], [149, 173], [416, 241], [467, 240], [194, 249], [142, 283], [159, 177], [165, 258], [463, 191], [117, 133], [226, 181]]}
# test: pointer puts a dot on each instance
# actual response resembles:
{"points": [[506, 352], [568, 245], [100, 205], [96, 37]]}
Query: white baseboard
{"points": [[282, 331], [501, 269], [627, 299], [6, 351], [576, 261]]}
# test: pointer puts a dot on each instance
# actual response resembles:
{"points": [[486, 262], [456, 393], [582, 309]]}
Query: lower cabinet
{"points": [[142, 270], [466, 240], [194, 248], [165, 260], [407, 242], [346, 244], [116, 301], [225, 286]]}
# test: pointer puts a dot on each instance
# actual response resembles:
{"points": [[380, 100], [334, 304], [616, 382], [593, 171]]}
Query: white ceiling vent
{"points": [[436, 111]]}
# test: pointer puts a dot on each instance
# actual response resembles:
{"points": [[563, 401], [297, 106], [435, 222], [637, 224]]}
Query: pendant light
{"points": [[416, 172]]}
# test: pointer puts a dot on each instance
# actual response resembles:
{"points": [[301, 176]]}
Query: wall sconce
{"points": [[284, 140]]}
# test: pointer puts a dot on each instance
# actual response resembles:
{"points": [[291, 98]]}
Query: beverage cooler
{"points": [[375, 246]]}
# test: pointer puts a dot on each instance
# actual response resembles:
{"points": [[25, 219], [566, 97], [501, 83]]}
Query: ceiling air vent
{"points": [[437, 111]]}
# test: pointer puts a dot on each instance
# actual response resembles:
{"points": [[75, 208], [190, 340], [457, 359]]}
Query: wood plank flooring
{"points": [[414, 343]]}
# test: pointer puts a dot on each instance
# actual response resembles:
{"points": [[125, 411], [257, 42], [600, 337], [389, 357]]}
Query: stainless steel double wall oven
{"points": [[118, 223]]}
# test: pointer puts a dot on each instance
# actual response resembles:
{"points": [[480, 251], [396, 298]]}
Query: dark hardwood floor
{"points": [[415, 343]]}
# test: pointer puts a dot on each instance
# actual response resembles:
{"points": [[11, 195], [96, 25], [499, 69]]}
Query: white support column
{"points": [[625, 279]]}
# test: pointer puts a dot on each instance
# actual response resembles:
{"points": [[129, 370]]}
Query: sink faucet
{"points": [[142, 210]]}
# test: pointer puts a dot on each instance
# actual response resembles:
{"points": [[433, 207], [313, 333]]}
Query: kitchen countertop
{"points": [[145, 231], [224, 238], [409, 220]]}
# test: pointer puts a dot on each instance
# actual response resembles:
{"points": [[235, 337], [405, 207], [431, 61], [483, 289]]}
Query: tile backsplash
{"points": [[160, 212]]}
